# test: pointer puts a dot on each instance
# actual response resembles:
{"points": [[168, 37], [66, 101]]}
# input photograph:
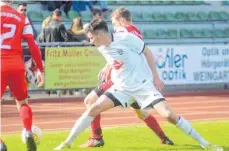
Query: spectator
{"points": [[65, 6], [77, 30], [55, 30], [77, 26], [46, 21], [22, 9], [97, 14]]}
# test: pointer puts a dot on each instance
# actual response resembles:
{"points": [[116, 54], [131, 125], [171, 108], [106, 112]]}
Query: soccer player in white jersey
{"points": [[124, 52], [121, 19]]}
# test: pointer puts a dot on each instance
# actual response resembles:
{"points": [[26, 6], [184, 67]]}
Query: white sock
{"points": [[80, 125], [184, 125]]}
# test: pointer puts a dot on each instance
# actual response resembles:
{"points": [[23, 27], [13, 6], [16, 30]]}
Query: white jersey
{"points": [[125, 55]]}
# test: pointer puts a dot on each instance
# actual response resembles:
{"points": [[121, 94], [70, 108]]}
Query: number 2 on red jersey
{"points": [[7, 35]]}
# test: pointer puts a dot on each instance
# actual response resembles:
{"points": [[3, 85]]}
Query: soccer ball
{"points": [[36, 134]]}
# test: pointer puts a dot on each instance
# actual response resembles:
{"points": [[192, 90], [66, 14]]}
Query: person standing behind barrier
{"points": [[55, 30], [14, 28]]}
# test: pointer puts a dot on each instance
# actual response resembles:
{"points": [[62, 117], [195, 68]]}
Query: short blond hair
{"points": [[122, 13]]}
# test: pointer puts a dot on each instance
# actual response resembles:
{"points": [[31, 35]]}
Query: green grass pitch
{"points": [[133, 138]]}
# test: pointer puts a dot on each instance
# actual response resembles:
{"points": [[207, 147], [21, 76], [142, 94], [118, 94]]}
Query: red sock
{"points": [[152, 123], [96, 127], [26, 116]]}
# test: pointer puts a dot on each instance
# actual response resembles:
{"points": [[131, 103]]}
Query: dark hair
{"points": [[21, 4], [96, 25], [97, 11], [122, 12], [57, 12]]}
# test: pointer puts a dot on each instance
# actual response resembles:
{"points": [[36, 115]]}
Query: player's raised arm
{"points": [[34, 50]]}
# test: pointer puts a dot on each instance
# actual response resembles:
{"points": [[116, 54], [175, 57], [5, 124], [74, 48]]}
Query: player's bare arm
{"points": [[104, 72], [150, 59]]}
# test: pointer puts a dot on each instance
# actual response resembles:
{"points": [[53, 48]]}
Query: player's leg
{"points": [[96, 140], [108, 100], [150, 97], [102, 104], [151, 122], [18, 87], [2, 146], [164, 110]]}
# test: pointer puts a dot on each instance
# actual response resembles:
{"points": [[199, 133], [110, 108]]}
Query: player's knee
{"points": [[95, 109], [21, 103], [90, 99], [141, 115], [86, 102], [170, 116]]}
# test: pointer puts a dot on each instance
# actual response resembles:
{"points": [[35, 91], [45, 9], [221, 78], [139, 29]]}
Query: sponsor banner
{"points": [[72, 67], [192, 64]]}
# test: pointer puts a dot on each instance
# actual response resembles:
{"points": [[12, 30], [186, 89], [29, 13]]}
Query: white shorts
{"points": [[144, 96]]}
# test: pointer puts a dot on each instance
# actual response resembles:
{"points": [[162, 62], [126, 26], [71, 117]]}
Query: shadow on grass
{"points": [[226, 148]]}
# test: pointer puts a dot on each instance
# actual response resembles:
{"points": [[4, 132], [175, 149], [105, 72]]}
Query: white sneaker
{"points": [[211, 147], [63, 145]]}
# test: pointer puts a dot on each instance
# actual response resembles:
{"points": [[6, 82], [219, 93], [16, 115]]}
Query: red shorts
{"points": [[17, 83]]}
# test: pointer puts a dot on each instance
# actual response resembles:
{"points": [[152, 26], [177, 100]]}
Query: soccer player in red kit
{"points": [[14, 28]]}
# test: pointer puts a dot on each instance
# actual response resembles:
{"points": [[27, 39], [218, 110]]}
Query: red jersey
{"points": [[131, 29], [14, 28]]}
